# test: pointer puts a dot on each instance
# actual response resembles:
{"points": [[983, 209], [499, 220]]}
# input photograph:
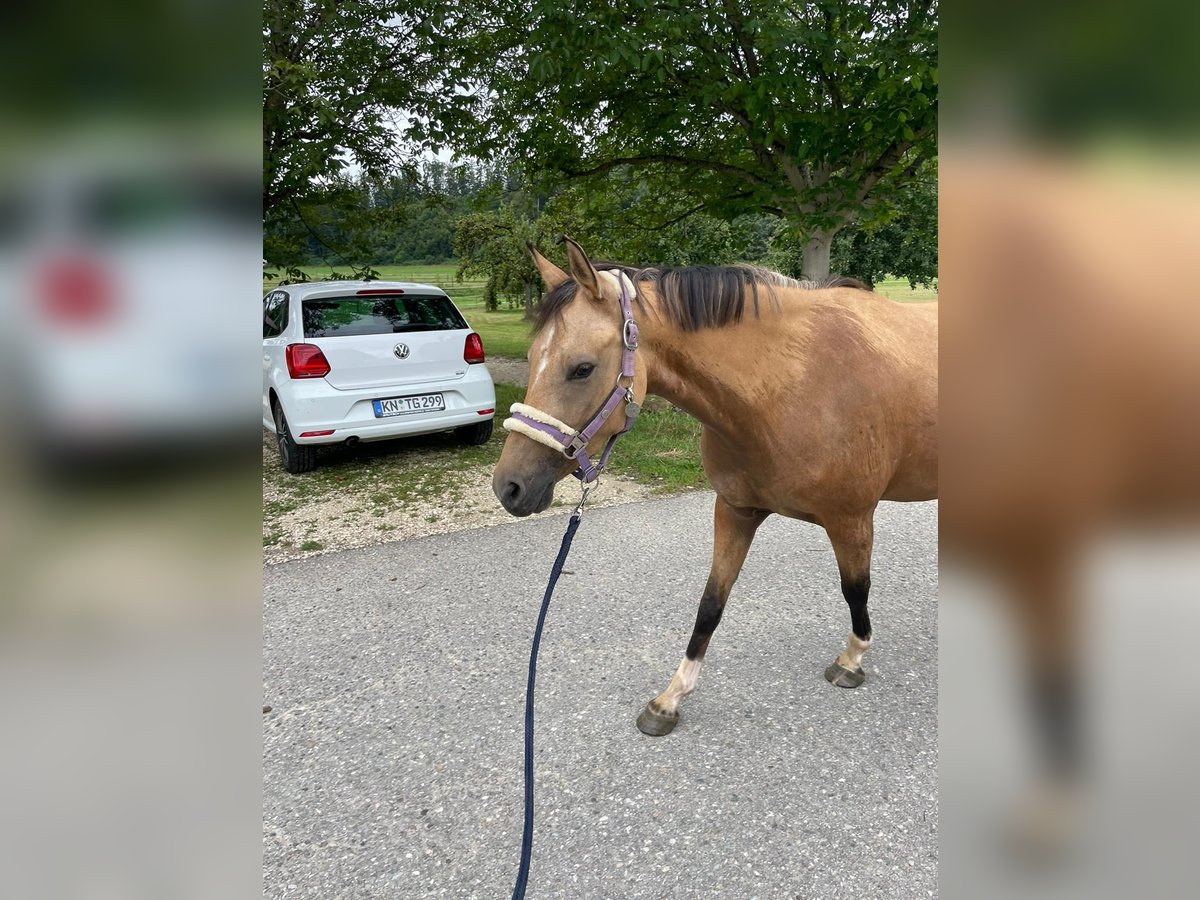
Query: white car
{"points": [[352, 361]]}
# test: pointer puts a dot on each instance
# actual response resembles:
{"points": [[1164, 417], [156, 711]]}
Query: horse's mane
{"points": [[695, 297]]}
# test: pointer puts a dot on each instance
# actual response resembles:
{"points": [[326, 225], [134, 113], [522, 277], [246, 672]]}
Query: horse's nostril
{"points": [[510, 492]]}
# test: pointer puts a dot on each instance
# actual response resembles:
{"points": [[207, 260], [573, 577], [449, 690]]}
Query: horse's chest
{"points": [[744, 476], [793, 478]]}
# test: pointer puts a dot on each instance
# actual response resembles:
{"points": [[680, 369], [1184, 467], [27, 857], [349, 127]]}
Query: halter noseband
{"points": [[546, 429]]}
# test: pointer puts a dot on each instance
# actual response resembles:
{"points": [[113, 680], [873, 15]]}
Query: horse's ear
{"points": [[581, 268], [551, 274]]}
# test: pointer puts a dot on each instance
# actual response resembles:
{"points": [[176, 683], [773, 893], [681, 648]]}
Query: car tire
{"points": [[296, 458], [474, 435]]}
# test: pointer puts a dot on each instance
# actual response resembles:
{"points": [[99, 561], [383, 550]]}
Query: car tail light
{"points": [[77, 292], [473, 351], [306, 361]]}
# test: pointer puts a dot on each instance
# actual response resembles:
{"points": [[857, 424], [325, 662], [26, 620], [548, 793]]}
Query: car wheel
{"points": [[474, 435], [296, 458]]}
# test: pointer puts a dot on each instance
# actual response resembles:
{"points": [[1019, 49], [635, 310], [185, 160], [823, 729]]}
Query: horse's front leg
{"points": [[733, 530], [852, 537]]}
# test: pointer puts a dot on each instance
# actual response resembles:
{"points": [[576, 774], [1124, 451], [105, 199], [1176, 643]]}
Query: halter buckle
{"points": [[629, 334], [575, 447]]}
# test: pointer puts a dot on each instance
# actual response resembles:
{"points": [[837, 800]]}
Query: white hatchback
{"points": [[351, 361]]}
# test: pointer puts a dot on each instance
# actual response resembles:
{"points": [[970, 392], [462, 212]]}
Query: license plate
{"points": [[404, 406]]}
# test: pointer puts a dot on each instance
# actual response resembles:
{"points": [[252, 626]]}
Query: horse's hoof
{"points": [[656, 724], [840, 676]]}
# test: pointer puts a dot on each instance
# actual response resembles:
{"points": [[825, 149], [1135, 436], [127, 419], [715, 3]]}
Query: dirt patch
{"points": [[509, 371], [395, 490], [301, 523]]}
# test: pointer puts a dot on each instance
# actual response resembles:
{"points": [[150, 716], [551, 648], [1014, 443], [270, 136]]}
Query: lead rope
{"points": [[555, 571]]}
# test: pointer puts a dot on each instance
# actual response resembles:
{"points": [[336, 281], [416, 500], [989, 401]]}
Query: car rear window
{"points": [[344, 316]]}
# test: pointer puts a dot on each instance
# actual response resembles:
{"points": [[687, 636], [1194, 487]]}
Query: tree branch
{"points": [[886, 162], [831, 86], [668, 159], [691, 212], [734, 15]]}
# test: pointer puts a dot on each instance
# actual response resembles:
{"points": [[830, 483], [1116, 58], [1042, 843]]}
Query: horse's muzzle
{"points": [[524, 495]]}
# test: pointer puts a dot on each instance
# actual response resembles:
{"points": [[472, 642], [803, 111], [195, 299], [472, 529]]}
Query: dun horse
{"points": [[816, 403]]}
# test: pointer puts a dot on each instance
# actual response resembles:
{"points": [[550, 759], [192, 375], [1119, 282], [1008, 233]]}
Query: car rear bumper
{"points": [[313, 405]]}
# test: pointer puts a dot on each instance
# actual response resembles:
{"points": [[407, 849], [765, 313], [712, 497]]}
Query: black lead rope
{"points": [[527, 834]]}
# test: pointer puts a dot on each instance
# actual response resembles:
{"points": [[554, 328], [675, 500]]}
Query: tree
{"points": [[818, 113], [610, 218], [336, 75], [494, 243], [904, 244]]}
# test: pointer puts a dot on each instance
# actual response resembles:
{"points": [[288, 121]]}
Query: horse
{"points": [[817, 400]]}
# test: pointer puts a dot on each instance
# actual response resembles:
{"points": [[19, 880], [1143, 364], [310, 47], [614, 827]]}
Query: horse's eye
{"points": [[581, 371]]}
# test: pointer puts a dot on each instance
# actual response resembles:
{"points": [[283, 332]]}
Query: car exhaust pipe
{"points": [[351, 441]]}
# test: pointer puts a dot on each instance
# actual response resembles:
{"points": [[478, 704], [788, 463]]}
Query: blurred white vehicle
{"points": [[354, 361], [119, 275]]}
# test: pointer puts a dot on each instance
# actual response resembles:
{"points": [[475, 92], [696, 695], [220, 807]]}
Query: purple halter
{"points": [[573, 444]]}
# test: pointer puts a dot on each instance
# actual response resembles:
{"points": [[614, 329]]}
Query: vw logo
{"points": [[401, 351]]}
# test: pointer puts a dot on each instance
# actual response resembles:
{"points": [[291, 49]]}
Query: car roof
{"points": [[344, 288]]}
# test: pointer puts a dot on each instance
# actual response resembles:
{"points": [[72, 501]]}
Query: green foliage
{"points": [[334, 73], [334, 76], [620, 220], [655, 131], [903, 244], [494, 244], [409, 216], [817, 113]]}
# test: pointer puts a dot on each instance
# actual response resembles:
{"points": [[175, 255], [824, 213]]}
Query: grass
{"points": [[663, 450], [899, 289]]}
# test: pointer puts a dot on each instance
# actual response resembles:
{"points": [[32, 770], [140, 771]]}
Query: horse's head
{"points": [[574, 364]]}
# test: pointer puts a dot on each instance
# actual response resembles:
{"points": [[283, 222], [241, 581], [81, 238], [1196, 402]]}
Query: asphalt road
{"points": [[396, 677]]}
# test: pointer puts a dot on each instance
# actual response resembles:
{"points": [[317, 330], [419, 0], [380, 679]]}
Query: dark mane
{"points": [[694, 297]]}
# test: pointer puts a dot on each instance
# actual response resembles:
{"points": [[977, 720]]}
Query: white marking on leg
{"points": [[683, 682], [851, 657]]}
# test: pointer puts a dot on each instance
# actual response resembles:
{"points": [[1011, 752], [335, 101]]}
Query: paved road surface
{"points": [[396, 677]]}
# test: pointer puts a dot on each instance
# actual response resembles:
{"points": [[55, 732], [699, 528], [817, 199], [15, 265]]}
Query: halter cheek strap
{"points": [[546, 429]]}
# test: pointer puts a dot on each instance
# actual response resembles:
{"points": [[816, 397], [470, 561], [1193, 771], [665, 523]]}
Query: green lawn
{"points": [[505, 332], [898, 289]]}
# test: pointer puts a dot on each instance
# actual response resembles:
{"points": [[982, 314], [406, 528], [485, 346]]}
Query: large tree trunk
{"points": [[815, 263], [528, 300]]}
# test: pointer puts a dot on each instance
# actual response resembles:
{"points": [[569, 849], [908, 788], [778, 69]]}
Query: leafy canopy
{"points": [[815, 112]]}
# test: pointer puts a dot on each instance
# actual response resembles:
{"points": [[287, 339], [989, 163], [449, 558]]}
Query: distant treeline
{"points": [[481, 215]]}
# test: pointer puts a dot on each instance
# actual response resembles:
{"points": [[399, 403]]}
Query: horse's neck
{"points": [[702, 373]]}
